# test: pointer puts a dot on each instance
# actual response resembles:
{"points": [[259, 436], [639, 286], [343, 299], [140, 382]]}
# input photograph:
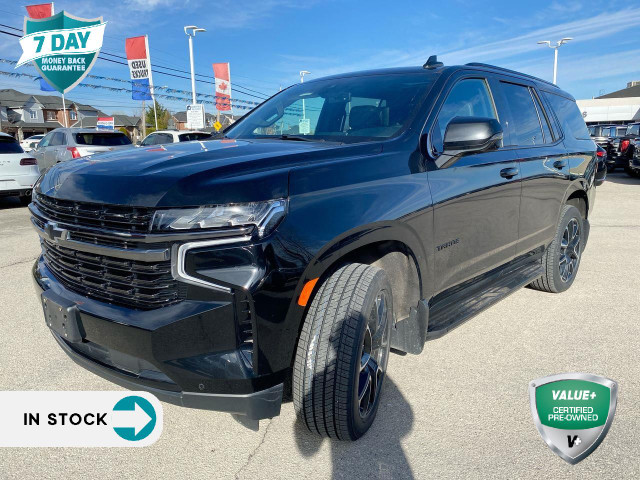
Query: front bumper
{"points": [[185, 354]]}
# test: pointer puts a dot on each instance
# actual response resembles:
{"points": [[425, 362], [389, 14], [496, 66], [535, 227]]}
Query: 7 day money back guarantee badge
{"points": [[573, 412]]}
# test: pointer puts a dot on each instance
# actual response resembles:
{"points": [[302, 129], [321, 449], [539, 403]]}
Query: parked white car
{"points": [[18, 170], [31, 143], [162, 137]]}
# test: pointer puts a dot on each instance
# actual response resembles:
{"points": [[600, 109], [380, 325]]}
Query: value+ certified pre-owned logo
{"points": [[573, 412]]}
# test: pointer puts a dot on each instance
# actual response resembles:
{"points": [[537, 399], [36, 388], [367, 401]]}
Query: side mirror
{"points": [[471, 134]]}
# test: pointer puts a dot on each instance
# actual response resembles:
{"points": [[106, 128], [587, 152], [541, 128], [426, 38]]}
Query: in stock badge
{"points": [[62, 47], [573, 412]]}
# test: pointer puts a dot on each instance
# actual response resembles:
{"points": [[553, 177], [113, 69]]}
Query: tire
{"points": [[348, 322], [561, 260]]}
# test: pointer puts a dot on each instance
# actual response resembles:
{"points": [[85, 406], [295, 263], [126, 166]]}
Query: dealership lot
{"points": [[459, 410]]}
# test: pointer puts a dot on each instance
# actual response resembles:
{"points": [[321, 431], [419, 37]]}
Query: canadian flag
{"points": [[223, 86], [41, 10]]}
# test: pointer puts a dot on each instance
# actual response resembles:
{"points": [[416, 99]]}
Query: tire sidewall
{"points": [[570, 213], [358, 426]]}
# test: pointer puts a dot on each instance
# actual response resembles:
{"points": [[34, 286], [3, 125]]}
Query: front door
{"points": [[476, 200]]}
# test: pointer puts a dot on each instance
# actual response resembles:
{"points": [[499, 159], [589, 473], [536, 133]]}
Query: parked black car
{"points": [[628, 146], [343, 218], [608, 137]]}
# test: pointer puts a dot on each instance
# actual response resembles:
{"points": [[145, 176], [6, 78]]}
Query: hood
{"points": [[190, 173]]}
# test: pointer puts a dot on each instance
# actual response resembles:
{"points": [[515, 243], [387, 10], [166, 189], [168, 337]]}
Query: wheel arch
{"points": [[392, 246]]}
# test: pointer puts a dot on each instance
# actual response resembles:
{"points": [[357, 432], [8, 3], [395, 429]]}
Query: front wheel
{"points": [[562, 259], [342, 353]]}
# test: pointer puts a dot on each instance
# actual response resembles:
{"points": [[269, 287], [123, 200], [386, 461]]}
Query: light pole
{"points": [[302, 74], [555, 53], [191, 31]]}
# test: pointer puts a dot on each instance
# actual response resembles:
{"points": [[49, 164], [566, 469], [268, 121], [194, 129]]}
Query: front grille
{"points": [[84, 214], [134, 284]]}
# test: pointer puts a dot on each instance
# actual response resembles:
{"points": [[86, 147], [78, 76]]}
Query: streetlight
{"points": [[302, 74], [555, 54], [191, 31]]}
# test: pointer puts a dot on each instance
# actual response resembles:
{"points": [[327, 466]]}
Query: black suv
{"points": [[608, 137], [629, 151], [342, 219]]}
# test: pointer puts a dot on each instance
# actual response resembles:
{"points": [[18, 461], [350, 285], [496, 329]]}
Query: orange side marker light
{"points": [[306, 292]]}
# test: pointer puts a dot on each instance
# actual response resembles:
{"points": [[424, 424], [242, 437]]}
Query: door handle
{"points": [[560, 164], [509, 172]]}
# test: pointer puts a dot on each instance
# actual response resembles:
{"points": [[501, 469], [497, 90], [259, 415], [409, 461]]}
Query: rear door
{"points": [[543, 163], [476, 200], [53, 151]]}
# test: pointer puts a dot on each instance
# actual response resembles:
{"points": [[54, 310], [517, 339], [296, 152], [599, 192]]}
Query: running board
{"points": [[458, 307]]}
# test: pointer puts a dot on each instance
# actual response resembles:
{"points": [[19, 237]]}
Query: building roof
{"points": [[624, 93], [12, 98], [125, 120]]}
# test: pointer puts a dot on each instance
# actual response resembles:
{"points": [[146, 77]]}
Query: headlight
{"points": [[264, 215]]}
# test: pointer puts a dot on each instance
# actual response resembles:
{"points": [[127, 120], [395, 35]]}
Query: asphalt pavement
{"points": [[458, 410]]}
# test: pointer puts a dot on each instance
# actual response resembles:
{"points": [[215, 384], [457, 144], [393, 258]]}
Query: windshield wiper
{"points": [[298, 138]]}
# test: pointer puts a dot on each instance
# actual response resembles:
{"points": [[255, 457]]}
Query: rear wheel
{"points": [[343, 351], [562, 259]]}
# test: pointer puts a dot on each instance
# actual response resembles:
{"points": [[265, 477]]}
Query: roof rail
{"points": [[502, 69]]}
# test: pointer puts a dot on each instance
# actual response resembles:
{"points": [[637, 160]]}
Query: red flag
{"points": [[41, 10], [223, 86]]}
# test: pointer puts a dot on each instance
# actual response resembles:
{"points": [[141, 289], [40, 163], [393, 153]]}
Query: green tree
{"points": [[163, 117]]}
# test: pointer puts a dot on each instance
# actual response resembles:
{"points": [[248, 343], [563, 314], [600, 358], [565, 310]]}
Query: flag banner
{"points": [[41, 10], [223, 86], [44, 86], [139, 60]]}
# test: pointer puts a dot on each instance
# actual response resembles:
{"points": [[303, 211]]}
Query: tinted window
{"points": [[188, 137], [526, 129], [57, 139], [468, 98], [544, 119], [102, 139], [569, 116], [633, 130], [333, 109], [9, 145], [150, 140], [162, 138]]}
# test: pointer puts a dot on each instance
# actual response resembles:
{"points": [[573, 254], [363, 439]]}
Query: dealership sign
{"points": [[105, 123], [62, 47], [573, 412]]}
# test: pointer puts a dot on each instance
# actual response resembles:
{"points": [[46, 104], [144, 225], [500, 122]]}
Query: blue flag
{"points": [[140, 89], [44, 86]]}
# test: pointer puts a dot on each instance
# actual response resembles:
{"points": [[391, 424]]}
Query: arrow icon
{"points": [[136, 418]]}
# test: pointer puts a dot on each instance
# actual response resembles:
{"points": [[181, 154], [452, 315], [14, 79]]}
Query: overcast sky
{"points": [[267, 42]]}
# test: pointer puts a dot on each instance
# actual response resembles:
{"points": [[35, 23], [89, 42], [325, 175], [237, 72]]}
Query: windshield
{"points": [[352, 109], [102, 139], [9, 145]]}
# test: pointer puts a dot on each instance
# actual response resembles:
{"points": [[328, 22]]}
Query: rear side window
{"points": [[633, 130], [9, 145], [544, 119], [57, 139], [468, 98], [526, 130], [569, 116], [102, 139]]}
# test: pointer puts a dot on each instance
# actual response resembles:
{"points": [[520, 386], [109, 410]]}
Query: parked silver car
{"points": [[64, 144]]}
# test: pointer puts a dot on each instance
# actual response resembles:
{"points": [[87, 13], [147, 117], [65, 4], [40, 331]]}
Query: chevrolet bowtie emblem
{"points": [[53, 232]]}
